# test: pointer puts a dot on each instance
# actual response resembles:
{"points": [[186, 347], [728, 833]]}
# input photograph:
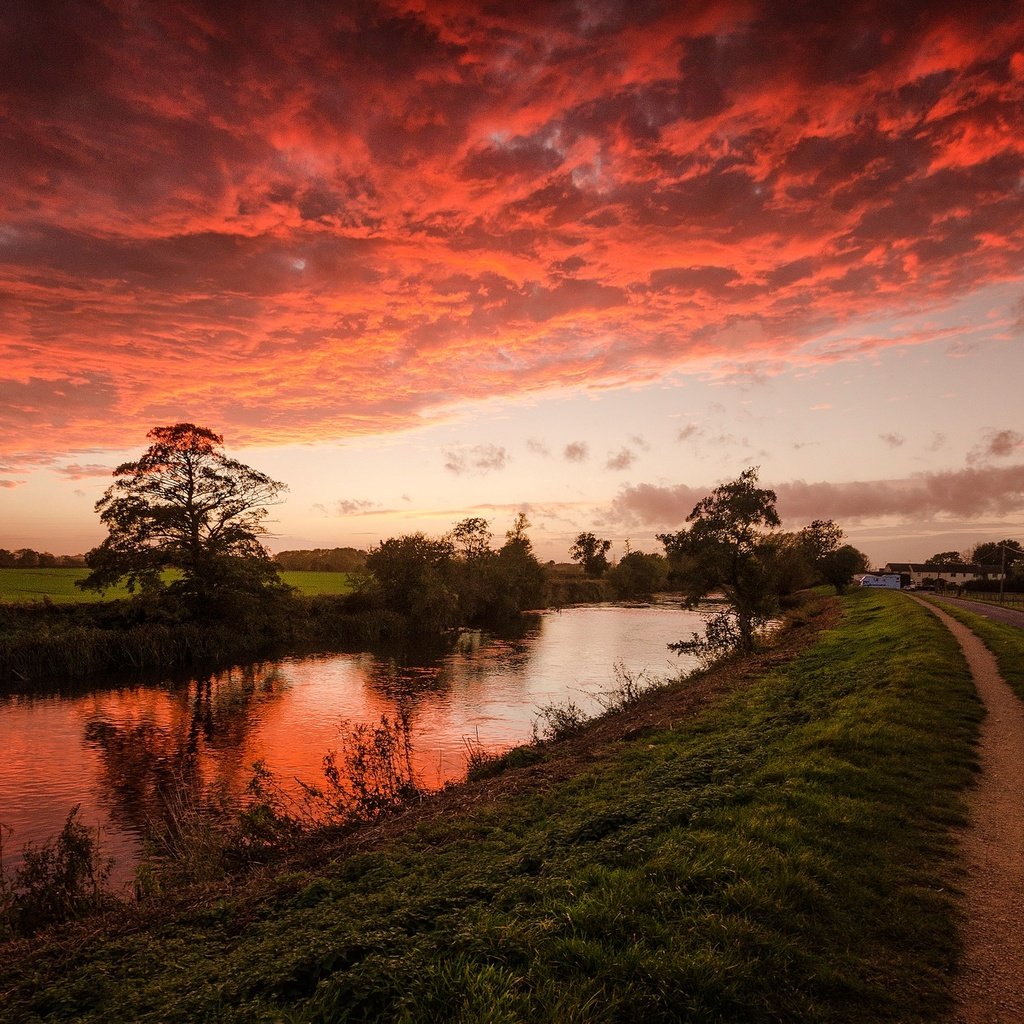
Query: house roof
{"points": [[948, 567]]}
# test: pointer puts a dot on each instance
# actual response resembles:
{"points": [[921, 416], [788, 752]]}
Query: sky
{"points": [[426, 260]]}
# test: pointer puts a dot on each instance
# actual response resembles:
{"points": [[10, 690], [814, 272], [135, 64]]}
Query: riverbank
{"points": [[65, 639], [771, 841], [41, 642]]}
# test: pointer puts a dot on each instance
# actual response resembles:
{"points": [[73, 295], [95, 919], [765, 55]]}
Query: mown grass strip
{"points": [[785, 857], [1005, 642]]}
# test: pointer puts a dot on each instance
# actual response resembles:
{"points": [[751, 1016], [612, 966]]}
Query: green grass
{"points": [[1005, 642], [314, 583], [785, 857], [58, 585]]}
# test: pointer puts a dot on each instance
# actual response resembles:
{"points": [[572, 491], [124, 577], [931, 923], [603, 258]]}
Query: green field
{"points": [[58, 585]]}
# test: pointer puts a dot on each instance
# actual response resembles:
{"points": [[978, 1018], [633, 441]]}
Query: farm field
{"points": [[58, 585]]}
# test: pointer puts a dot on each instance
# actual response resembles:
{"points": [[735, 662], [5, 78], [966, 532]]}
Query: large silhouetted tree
{"points": [[592, 553], [723, 551], [185, 505]]}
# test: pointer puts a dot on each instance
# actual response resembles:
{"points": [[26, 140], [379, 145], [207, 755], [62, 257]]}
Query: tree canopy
{"points": [[592, 553], [945, 558], [723, 550], [1002, 552], [185, 505]]}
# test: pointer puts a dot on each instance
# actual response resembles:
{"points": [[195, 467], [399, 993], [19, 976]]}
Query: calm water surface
{"points": [[113, 750]]}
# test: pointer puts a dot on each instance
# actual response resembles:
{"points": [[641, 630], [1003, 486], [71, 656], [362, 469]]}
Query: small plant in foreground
{"points": [[559, 721], [721, 638], [189, 839], [628, 689], [60, 880]]}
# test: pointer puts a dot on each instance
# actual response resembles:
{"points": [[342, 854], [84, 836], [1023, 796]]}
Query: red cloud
{"points": [[337, 221]]}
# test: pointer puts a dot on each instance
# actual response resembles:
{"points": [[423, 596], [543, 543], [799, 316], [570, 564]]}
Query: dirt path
{"points": [[990, 987]]}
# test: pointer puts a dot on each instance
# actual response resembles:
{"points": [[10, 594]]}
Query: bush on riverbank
{"points": [[784, 855], [77, 641]]}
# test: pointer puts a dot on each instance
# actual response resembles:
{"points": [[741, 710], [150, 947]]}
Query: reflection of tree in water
{"points": [[419, 674], [149, 765]]}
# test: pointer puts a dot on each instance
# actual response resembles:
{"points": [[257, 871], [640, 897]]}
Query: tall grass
{"points": [[57, 881]]}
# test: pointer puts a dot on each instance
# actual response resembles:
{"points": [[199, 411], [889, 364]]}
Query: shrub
{"points": [[60, 880]]}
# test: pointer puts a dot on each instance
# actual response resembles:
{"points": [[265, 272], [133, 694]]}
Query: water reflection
{"points": [[121, 752], [178, 745]]}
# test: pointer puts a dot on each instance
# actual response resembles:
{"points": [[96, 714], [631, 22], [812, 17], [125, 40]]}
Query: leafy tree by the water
{"points": [[724, 551], [638, 575], [831, 561], [414, 575], [839, 567], [185, 505], [592, 553], [437, 583]]}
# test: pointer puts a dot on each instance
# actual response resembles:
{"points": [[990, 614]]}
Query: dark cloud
{"points": [[968, 493], [1003, 443], [622, 459], [710, 279], [893, 440], [576, 451], [354, 506], [538, 447]]}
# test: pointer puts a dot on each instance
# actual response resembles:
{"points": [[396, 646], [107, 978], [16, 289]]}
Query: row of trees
{"points": [[186, 505], [28, 558], [996, 553], [322, 560], [734, 547]]}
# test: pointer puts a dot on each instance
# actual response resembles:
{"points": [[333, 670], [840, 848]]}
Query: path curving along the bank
{"points": [[990, 986]]}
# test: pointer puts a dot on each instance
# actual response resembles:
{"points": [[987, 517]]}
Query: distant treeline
{"points": [[322, 560], [27, 558]]}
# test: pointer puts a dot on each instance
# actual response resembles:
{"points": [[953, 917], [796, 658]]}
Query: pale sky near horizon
{"points": [[424, 261]]}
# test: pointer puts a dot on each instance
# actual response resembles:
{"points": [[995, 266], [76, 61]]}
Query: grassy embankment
{"points": [[58, 585], [1005, 642], [783, 855]]}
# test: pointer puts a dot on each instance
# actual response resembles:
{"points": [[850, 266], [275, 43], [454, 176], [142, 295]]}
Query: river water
{"points": [[113, 749]]}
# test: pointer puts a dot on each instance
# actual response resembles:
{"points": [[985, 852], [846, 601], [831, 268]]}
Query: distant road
{"points": [[1010, 616]]}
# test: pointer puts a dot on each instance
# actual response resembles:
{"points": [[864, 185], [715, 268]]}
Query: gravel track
{"points": [[989, 988]]}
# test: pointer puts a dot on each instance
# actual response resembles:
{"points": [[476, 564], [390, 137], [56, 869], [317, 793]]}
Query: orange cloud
{"points": [[306, 222]]}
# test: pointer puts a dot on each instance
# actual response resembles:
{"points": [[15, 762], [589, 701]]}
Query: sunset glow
{"points": [[422, 261]]}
